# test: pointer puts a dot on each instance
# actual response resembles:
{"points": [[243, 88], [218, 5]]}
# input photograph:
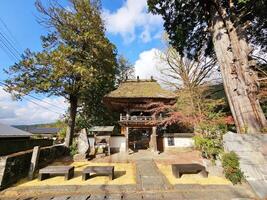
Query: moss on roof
{"points": [[140, 89]]}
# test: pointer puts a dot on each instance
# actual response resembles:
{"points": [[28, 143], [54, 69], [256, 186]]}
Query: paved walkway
{"points": [[149, 177]]}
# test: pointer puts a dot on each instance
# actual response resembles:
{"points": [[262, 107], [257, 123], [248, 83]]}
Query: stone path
{"points": [[149, 177], [200, 193], [252, 153]]}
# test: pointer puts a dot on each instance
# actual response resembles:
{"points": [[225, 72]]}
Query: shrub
{"points": [[232, 171], [74, 148], [209, 147]]}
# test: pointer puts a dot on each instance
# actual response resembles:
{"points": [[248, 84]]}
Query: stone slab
{"points": [[149, 177], [80, 197], [62, 197], [83, 143], [251, 151], [260, 187], [252, 172], [230, 136], [237, 146], [107, 196], [252, 158]]}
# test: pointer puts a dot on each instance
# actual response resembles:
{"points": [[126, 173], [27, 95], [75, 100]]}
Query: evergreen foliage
{"points": [[76, 58], [188, 22]]}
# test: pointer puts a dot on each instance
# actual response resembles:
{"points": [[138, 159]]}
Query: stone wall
{"points": [[252, 152], [16, 166], [9, 146]]}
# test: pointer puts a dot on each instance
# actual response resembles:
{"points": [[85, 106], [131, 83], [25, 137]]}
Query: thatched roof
{"points": [[140, 89]]}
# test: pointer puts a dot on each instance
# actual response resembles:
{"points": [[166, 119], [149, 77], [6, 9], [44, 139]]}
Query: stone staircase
{"points": [[252, 152]]}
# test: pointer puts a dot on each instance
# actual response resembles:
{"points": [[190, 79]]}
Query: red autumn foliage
{"points": [[170, 115], [229, 120]]}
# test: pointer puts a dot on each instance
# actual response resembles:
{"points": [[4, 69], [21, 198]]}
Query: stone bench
{"points": [[179, 169], [67, 171], [98, 170]]}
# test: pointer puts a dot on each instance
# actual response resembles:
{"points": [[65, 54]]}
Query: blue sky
{"points": [[135, 32]]}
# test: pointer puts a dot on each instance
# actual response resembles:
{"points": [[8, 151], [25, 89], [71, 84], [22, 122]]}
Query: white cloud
{"points": [[149, 64], [30, 112], [131, 16]]}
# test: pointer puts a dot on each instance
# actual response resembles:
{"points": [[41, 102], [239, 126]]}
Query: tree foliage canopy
{"points": [[188, 21], [76, 53], [77, 61]]}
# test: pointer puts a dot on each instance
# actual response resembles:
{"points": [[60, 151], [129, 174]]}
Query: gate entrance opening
{"points": [[139, 138]]}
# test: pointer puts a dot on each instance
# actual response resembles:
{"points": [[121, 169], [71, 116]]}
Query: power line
{"points": [[38, 100], [7, 53], [7, 47], [10, 44], [10, 32], [60, 108], [42, 106], [7, 44], [10, 49], [45, 102]]}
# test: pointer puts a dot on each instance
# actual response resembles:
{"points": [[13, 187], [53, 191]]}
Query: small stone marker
{"points": [[83, 144], [34, 162], [83, 147]]}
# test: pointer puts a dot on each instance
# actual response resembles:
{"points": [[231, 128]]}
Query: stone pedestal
{"points": [[80, 157], [153, 140], [100, 155], [125, 132]]}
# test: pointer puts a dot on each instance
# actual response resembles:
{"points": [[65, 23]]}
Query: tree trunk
{"points": [[240, 81], [71, 121]]}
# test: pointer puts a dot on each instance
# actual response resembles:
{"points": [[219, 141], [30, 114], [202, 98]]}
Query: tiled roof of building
{"points": [[140, 89], [44, 130], [7, 131]]}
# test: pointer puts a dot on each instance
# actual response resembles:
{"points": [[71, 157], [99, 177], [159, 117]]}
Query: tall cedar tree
{"points": [[224, 27], [76, 57]]}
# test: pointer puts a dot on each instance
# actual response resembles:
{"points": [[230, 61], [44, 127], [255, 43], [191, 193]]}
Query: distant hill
{"points": [[32, 126], [215, 92]]}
